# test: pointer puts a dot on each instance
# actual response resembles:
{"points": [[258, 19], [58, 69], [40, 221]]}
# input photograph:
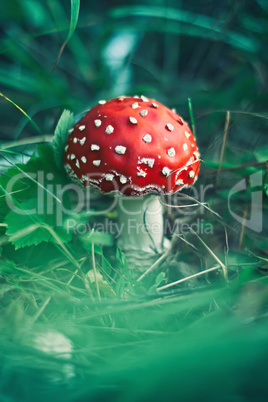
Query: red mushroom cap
{"points": [[133, 145]]}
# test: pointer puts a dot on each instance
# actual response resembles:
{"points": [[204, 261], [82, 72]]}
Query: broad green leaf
{"points": [[25, 181], [31, 228], [60, 136], [35, 255], [30, 206]]}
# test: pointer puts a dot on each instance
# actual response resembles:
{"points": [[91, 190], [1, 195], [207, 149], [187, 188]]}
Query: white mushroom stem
{"points": [[140, 228]]}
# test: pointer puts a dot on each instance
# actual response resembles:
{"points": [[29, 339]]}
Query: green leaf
{"points": [[25, 181], [26, 227], [31, 206], [65, 122]]}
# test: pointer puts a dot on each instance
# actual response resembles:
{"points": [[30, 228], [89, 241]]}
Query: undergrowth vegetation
{"points": [[75, 322]]}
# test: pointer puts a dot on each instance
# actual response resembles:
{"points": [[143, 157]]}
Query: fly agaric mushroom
{"points": [[138, 149]]}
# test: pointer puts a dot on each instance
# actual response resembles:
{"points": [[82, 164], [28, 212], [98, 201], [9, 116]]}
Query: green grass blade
{"points": [[22, 111], [75, 6], [192, 116]]}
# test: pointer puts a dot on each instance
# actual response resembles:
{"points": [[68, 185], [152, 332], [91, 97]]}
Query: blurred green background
{"points": [[205, 340], [211, 51]]}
